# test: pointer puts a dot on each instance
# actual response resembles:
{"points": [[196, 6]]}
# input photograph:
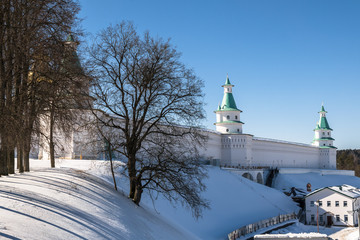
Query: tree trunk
{"points": [[112, 167], [138, 193], [11, 160], [51, 136], [20, 158], [132, 176], [27, 158], [3, 159]]}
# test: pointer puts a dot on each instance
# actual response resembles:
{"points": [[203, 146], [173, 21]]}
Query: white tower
{"points": [[323, 140], [227, 114], [323, 131]]}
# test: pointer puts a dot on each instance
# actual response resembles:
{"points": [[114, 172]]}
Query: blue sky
{"points": [[284, 57]]}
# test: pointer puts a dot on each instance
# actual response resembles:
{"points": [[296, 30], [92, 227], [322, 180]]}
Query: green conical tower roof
{"points": [[322, 109], [323, 123], [227, 81], [228, 101]]}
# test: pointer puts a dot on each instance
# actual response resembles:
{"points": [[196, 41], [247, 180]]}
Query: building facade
{"points": [[229, 146], [337, 205], [233, 148]]}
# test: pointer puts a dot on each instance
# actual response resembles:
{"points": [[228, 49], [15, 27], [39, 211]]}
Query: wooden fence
{"points": [[250, 228]]}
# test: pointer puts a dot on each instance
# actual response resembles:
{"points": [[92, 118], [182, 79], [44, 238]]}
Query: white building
{"points": [[233, 148], [337, 205], [229, 146]]}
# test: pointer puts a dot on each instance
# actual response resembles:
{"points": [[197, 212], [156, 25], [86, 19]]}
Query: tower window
{"points": [[328, 133], [323, 133], [238, 130], [227, 130], [235, 117], [228, 117]]}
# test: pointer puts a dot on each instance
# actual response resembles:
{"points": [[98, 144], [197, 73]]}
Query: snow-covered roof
{"points": [[347, 190]]}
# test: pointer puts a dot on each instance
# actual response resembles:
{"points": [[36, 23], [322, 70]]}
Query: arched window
{"points": [[235, 116], [238, 130], [227, 117], [227, 130]]}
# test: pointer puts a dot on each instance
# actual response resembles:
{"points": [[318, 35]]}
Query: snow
{"points": [[348, 233], [317, 180], [72, 204], [235, 202], [80, 203]]}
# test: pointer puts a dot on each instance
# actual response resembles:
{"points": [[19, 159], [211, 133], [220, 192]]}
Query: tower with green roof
{"points": [[323, 131], [227, 114]]}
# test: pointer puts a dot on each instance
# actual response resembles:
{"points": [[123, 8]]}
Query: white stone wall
{"points": [[332, 210], [211, 150], [283, 154]]}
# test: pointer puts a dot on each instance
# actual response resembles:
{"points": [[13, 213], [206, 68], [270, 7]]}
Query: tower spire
{"points": [[323, 131], [227, 114]]}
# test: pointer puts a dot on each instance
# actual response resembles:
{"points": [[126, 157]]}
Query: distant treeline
{"points": [[349, 160]]}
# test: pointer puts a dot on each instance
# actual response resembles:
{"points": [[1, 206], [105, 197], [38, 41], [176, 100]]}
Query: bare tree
{"points": [[31, 35], [149, 97]]}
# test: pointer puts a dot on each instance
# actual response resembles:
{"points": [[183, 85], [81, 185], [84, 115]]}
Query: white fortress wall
{"points": [[320, 171], [276, 153], [211, 149]]}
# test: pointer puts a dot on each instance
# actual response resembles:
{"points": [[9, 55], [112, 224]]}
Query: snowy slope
{"points": [[71, 204], [235, 201], [317, 180]]}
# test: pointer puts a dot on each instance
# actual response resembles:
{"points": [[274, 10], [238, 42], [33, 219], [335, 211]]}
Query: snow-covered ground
{"points": [[317, 180], [341, 233], [72, 204], [235, 202]]}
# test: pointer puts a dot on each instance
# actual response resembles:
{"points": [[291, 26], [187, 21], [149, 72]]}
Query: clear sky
{"points": [[284, 57]]}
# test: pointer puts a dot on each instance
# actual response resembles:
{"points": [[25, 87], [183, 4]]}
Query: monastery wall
{"points": [[274, 153]]}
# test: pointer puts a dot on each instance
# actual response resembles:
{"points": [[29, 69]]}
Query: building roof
{"points": [[323, 123], [322, 109], [228, 102], [346, 190], [227, 81]]}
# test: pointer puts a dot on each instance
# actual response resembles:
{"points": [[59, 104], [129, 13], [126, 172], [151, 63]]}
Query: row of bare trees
{"points": [[33, 79], [144, 96]]}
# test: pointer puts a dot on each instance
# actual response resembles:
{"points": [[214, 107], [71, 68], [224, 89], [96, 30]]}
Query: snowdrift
{"points": [[71, 204]]}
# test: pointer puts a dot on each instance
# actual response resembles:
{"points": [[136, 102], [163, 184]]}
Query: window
{"points": [[328, 203], [321, 218], [336, 203], [346, 218], [227, 117], [311, 203], [338, 218], [345, 203], [320, 203], [323, 133], [238, 130], [227, 130], [328, 133], [312, 217], [235, 117]]}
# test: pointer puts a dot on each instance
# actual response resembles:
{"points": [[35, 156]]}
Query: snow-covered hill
{"points": [[235, 202], [284, 181], [71, 204]]}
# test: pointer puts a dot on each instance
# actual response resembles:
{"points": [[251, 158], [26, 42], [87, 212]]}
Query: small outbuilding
{"points": [[337, 205]]}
